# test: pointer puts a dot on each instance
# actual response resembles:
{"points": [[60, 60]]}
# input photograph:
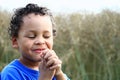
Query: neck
{"points": [[29, 63]]}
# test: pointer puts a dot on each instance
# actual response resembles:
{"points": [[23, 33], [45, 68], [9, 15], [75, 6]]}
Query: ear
{"points": [[14, 42]]}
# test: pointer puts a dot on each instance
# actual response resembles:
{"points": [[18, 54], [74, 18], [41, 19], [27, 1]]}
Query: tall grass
{"points": [[93, 45]]}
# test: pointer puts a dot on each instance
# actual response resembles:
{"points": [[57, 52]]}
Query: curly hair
{"points": [[17, 18]]}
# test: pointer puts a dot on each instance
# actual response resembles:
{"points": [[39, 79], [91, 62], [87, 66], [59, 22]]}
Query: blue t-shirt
{"points": [[0, 76], [17, 71]]}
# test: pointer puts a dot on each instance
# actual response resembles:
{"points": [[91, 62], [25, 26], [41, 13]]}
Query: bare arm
{"points": [[60, 76]]}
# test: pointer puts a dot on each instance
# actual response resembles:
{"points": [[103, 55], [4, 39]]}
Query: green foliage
{"points": [[6, 52], [93, 45], [88, 44]]}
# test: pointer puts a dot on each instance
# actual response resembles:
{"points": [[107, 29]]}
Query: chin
{"points": [[36, 60]]}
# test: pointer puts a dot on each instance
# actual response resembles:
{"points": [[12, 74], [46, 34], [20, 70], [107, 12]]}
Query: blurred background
{"points": [[88, 36]]}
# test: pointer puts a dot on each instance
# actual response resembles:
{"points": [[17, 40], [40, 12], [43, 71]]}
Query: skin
{"points": [[35, 43]]}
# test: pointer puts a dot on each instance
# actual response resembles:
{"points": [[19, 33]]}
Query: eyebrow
{"points": [[33, 31]]}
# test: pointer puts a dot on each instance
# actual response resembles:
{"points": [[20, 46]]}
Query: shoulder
{"points": [[17, 71], [11, 67], [10, 72]]}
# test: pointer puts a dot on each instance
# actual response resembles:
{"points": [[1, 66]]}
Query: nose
{"points": [[39, 40]]}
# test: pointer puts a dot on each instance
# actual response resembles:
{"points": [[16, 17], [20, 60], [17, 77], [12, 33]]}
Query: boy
{"points": [[31, 31]]}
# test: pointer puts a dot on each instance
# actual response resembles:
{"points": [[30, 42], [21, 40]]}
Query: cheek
{"points": [[26, 44], [29, 44], [50, 44]]}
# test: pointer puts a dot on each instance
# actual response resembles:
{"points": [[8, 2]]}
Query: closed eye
{"points": [[47, 37], [31, 36]]}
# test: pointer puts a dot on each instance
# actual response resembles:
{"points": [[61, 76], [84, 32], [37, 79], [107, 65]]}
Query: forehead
{"points": [[36, 17], [37, 21]]}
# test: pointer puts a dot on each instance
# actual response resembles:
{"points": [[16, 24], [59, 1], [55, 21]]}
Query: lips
{"points": [[38, 51]]}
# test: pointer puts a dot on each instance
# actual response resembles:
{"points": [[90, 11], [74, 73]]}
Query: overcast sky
{"points": [[65, 6]]}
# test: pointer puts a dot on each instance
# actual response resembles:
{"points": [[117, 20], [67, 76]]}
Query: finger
{"points": [[54, 62], [52, 57], [41, 65], [44, 52], [51, 62], [55, 67], [49, 54]]}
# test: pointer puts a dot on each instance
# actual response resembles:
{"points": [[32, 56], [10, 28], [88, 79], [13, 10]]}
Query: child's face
{"points": [[35, 36]]}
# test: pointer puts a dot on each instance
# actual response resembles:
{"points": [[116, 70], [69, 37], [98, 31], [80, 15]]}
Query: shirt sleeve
{"points": [[9, 77], [66, 77], [0, 76], [10, 74]]}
